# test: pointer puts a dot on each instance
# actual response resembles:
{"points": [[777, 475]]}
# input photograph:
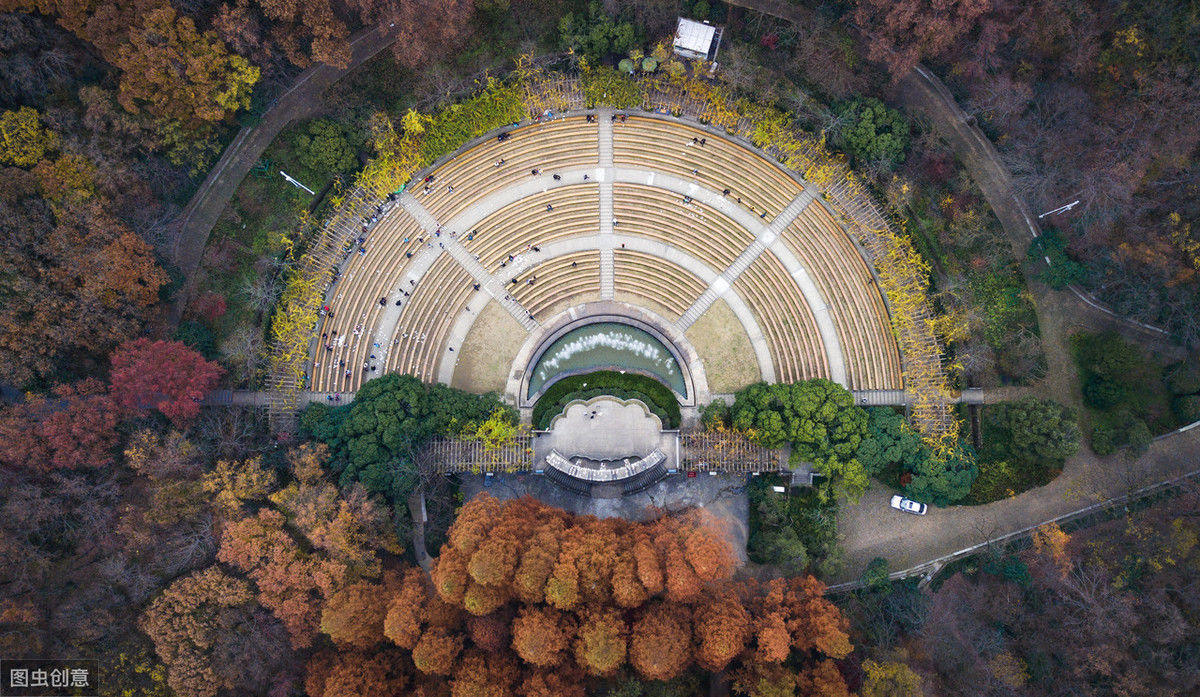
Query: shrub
{"points": [[657, 397], [1063, 270], [714, 414], [1187, 408], [597, 35], [874, 133], [199, 337], [324, 148], [1184, 377]]}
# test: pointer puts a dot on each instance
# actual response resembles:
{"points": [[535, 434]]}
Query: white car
{"points": [[908, 505]]}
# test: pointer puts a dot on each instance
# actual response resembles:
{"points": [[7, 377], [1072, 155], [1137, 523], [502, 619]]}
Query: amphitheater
{"points": [[736, 265]]}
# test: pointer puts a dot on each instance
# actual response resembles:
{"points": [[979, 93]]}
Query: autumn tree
{"points": [[354, 615], [23, 139], [601, 641], [73, 428], [660, 644], [76, 280], [721, 625], [290, 583], [166, 375], [890, 679], [348, 673], [541, 635], [901, 33], [180, 75], [231, 482], [212, 636]]}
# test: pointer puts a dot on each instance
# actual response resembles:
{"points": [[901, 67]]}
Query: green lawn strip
{"points": [[656, 396]]}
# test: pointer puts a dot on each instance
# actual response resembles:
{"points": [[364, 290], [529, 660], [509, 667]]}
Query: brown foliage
{"points": [[485, 675], [406, 611], [74, 279], [354, 615], [721, 625], [557, 683], [436, 651], [198, 626], [541, 635], [661, 642], [602, 641], [357, 674]]}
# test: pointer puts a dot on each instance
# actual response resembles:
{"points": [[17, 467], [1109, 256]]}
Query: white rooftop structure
{"points": [[699, 40]]}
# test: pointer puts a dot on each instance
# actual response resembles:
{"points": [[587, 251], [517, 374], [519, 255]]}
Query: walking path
{"points": [[301, 100]]}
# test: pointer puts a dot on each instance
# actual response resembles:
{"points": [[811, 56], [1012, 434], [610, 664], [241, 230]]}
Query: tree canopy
{"points": [[818, 418], [373, 440]]}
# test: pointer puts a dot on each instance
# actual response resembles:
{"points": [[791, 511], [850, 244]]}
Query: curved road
{"points": [[302, 99]]}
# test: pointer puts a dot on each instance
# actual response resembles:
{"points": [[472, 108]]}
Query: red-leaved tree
{"points": [[166, 375]]}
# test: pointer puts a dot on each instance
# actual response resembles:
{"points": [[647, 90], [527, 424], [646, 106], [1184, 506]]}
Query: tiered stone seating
{"points": [[355, 301], [719, 164], [549, 147], [516, 228], [557, 283], [419, 342], [644, 279], [785, 319], [420, 336], [695, 228], [859, 314]]}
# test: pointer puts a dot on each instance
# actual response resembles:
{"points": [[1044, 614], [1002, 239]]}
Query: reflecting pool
{"points": [[607, 345]]}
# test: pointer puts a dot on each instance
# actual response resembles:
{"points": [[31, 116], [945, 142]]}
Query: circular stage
{"points": [[735, 266]]}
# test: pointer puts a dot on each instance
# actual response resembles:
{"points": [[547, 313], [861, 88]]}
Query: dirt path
{"points": [[301, 100]]}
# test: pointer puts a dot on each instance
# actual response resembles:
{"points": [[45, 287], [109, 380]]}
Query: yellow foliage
{"points": [[23, 140]]}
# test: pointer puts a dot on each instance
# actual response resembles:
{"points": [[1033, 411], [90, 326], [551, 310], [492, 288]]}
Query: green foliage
{"points": [[1187, 408], [791, 531], [324, 148], [875, 575], [1034, 432], [603, 86], [1184, 377], [198, 336], [1111, 368], [373, 439], [714, 414], [817, 417], [657, 397], [1125, 391], [997, 480], [1011, 568], [1063, 270], [874, 133], [597, 35], [497, 104], [890, 442], [943, 482], [685, 685]]}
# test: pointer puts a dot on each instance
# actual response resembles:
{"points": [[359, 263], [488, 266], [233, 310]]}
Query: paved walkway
{"points": [[301, 100], [605, 429]]}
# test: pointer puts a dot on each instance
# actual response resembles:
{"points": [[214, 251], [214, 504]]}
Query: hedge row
{"points": [[657, 397]]}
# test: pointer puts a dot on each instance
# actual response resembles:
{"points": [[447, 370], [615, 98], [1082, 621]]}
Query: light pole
{"points": [[295, 183], [1060, 209]]}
